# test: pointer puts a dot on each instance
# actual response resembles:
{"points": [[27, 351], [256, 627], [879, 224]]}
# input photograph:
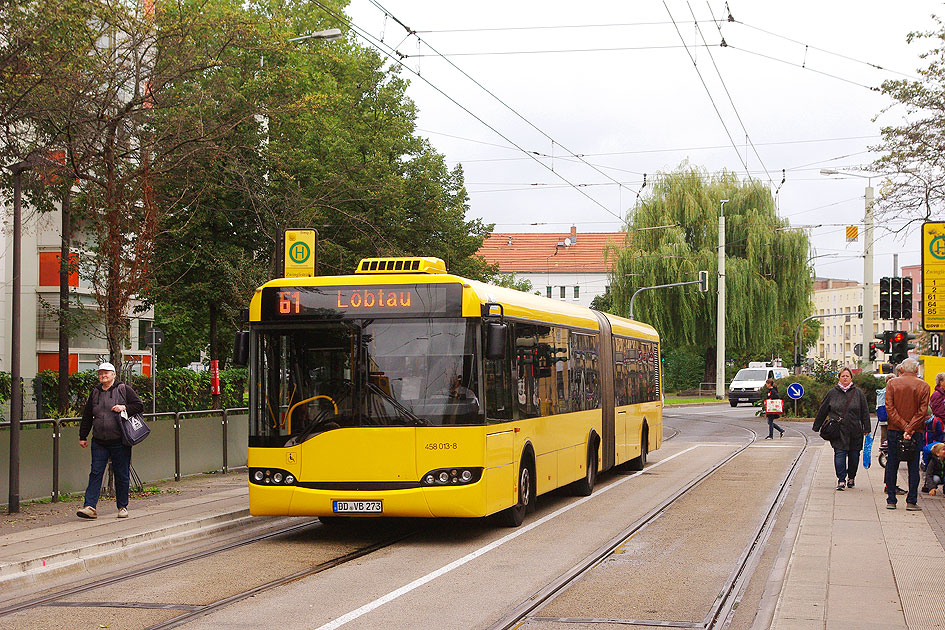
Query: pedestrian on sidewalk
{"points": [[934, 454], [935, 426], [102, 416], [846, 404], [773, 395], [907, 404]]}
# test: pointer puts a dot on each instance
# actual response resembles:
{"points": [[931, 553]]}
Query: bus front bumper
{"points": [[461, 501]]}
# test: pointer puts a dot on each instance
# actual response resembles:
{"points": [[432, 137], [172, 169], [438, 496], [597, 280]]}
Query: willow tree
{"points": [[673, 233]]}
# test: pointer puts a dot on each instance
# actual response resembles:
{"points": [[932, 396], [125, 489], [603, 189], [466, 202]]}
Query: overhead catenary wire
{"points": [[708, 92], [502, 102], [729, 95], [383, 48]]}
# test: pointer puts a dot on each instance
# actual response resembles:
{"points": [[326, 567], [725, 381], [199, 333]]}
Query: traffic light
{"points": [[884, 298], [906, 298], [883, 345], [872, 352], [901, 346], [895, 298]]}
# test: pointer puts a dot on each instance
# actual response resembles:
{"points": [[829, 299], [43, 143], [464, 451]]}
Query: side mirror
{"points": [[496, 340], [241, 348]]}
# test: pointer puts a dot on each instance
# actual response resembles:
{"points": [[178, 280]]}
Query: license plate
{"points": [[369, 507]]}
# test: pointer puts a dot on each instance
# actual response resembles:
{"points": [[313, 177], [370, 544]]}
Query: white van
{"points": [[749, 384]]}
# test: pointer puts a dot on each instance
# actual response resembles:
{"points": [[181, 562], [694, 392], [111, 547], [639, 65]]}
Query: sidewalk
{"points": [[856, 564], [46, 542]]}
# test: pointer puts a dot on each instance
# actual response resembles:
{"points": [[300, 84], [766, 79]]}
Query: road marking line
{"points": [[429, 577]]}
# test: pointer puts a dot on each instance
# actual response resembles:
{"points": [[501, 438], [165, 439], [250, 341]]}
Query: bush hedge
{"points": [[178, 389], [816, 389]]}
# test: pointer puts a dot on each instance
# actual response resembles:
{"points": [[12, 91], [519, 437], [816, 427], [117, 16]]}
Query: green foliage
{"points": [[179, 389], [509, 280], [816, 388], [768, 279], [912, 152], [826, 371], [682, 369]]}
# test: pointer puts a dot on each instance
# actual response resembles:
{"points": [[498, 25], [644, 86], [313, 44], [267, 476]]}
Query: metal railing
{"points": [[176, 415]]}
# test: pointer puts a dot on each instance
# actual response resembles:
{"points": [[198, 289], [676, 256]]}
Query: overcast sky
{"points": [[798, 74]]}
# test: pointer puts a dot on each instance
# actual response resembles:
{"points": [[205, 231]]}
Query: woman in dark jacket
{"points": [[847, 404], [773, 395]]}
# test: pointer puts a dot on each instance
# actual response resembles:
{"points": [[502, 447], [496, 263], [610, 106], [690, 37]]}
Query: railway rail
{"points": [[529, 611]]}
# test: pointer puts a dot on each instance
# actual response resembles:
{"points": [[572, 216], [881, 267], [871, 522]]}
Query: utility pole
{"points": [[868, 273], [720, 317]]}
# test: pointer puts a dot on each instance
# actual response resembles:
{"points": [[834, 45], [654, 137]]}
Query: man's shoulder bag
{"points": [[133, 428]]}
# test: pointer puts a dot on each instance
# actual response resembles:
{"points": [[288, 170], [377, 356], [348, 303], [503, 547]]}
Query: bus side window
{"points": [[499, 388]]}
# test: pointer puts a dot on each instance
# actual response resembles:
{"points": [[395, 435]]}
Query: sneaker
{"points": [[913, 507], [850, 483], [769, 438], [782, 434], [900, 490], [925, 489], [890, 506], [840, 485], [87, 512], [123, 513]]}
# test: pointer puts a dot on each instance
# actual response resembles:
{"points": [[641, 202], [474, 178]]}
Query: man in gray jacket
{"points": [[102, 416]]}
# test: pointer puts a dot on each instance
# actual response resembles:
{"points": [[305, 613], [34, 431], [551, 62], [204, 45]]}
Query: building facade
{"points": [[39, 303], [840, 335], [570, 267]]}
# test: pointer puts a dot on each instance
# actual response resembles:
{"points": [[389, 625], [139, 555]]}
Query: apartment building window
{"points": [[561, 292], [577, 292], [548, 291]]}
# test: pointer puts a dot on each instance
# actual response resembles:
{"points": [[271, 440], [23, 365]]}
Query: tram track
{"points": [[60, 598], [722, 610]]}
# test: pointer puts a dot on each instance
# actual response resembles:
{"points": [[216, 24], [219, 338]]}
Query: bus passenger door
{"points": [[608, 423], [499, 474]]}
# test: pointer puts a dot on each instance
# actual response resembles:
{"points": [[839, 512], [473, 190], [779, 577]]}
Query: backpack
{"points": [[934, 429]]}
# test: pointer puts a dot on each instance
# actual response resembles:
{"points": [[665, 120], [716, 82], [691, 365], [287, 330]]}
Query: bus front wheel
{"points": [[515, 515]]}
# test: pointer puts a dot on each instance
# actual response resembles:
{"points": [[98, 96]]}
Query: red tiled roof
{"points": [[536, 251]]}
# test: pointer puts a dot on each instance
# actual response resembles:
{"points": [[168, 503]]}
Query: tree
{"points": [[509, 280], [326, 140], [914, 152], [768, 280]]}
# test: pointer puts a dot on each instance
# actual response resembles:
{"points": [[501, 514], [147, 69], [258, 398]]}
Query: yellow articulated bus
{"points": [[403, 390]]}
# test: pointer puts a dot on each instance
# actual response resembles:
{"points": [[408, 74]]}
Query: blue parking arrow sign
{"points": [[795, 391]]}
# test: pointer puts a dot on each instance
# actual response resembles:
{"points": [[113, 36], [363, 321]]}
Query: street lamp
{"points": [[867, 256], [328, 35], [720, 317], [16, 391]]}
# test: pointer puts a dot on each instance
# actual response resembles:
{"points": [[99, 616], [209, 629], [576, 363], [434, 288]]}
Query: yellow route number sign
{"points": [[933, 275], [299, 253]]}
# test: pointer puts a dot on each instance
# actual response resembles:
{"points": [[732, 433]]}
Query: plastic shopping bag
{"points": [[867, 450]]}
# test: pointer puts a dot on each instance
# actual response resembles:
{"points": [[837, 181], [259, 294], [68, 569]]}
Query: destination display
{"points": [[411, 300]]}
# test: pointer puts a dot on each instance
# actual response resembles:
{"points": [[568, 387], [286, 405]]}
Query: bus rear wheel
{"points": [[584, 487], [637, 463], [515, 515]]}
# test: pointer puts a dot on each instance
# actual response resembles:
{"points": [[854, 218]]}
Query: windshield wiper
{"points": [[418, 421]]}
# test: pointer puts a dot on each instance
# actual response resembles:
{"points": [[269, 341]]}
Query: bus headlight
{"points": [[271, 476], [451, 477]]}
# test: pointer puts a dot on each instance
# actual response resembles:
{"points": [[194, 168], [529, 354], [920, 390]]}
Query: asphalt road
{"points": [[470, 574]]}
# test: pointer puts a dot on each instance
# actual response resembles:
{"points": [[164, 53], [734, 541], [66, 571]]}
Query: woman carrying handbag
{"points": [[844, 419], [771, 407]]}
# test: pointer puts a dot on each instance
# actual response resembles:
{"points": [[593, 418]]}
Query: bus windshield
{"points": [[363, 373]]}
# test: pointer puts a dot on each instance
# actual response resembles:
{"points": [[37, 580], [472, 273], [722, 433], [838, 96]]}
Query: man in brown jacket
{"points": [[907, 404]]}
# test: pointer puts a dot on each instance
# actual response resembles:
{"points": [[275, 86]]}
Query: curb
{"points": [[696, 404], [59, 564]]}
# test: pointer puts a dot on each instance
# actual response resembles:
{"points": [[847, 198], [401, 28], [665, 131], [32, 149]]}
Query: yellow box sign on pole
{"points": [[852, 233], [299, 257], [933, 276]]}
